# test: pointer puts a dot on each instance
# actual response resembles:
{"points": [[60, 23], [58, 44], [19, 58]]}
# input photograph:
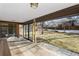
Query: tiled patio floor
{"points": [[27, 48]]}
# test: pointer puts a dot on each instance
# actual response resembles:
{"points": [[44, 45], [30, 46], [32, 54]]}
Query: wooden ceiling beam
{"points": [[73, 10], [10, 22]]}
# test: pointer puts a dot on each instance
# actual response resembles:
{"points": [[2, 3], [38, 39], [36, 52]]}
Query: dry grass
{"points": [[70, 42]]}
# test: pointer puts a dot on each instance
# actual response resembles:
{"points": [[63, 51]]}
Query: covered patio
{"points": [[27, 31]]}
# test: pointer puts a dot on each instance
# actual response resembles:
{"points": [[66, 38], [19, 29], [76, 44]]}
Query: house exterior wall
{"points": [[9, 29]]}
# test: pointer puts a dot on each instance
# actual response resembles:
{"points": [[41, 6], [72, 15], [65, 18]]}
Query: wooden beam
{"points": [[10, 22], [73, 10], [17, 30]]}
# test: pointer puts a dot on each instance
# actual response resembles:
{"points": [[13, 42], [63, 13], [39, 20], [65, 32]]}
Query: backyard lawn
{"points": [[63, 40]]}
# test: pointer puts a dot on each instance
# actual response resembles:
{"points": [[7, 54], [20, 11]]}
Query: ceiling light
{"points": [[34, 5]]}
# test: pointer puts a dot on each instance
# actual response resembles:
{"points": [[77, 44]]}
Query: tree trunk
{"points": [[42, 28]]}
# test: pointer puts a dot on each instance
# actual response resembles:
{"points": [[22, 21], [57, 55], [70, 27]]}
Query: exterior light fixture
{"points": [[34, 5]]}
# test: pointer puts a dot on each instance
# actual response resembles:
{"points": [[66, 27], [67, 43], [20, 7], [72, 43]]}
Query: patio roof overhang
{"points": [[10, 22], [73, 10]]}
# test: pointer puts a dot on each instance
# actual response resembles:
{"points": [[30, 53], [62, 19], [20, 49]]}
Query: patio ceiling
{"points": [[22, 12]]}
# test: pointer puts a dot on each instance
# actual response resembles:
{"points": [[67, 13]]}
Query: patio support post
{"points": [[34, 31]]}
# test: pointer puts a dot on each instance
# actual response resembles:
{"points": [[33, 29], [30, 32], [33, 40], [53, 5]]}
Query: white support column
{"points": [[34, 31]]}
